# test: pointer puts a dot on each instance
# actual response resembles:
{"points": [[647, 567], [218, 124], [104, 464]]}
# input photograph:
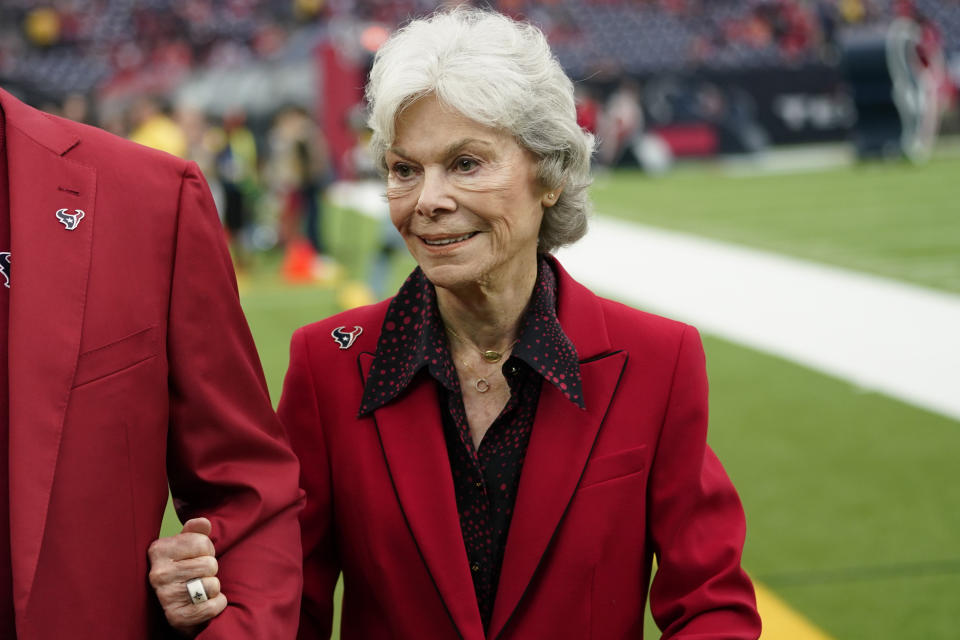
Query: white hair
{"points": [[499, 73]]}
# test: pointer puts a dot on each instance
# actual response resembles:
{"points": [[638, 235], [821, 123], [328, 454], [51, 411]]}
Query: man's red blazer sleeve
{"points": [[228, 458], [697, 522]]}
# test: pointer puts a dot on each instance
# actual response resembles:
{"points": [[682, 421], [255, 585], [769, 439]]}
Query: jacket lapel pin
{"points": [[70, 220], [5, 267], [346, 338]]}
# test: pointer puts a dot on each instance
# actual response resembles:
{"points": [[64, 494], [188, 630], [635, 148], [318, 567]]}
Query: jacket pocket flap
{"points": [[614, 465], [116, 356]]}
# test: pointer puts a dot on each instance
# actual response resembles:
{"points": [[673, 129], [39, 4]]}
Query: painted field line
{"points": [[880, 334], [780, 622]]}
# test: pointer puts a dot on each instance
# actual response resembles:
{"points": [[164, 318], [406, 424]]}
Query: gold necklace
{"points": [[490, 355], [480, 384]]}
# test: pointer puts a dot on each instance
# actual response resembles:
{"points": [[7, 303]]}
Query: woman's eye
{"points": [[465, 165], [402, 170]]}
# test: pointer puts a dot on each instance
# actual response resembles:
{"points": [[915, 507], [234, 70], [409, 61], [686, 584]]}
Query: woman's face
{"points": [[465, 198]]}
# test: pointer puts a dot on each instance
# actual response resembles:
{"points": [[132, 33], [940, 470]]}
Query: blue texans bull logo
{"points": [[70, 220], [346, 338], [5, 267]]}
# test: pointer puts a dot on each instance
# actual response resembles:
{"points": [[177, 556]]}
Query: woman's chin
{"points": [[479, 265], [452, 275]]}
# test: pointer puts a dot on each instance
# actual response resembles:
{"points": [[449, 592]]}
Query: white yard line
{"points": [[880, 334]]}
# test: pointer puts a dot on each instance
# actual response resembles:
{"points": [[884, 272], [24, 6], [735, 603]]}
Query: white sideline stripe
{"points": [[880, 334]]}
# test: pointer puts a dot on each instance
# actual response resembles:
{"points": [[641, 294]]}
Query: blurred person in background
{"points": [[363, 167], [76, 107], [299, 166], [203, 144], [588, 109], [496, 451], [621, 124], [126, 366], [153, 127], [236, 172], [932, 65]]}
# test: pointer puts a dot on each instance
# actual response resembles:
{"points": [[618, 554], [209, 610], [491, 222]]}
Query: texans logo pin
{"points": [[346, 338], [5, 267], [70, 220]]}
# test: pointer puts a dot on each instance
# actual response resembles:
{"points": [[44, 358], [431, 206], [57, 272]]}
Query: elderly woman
{"points": [[496, 451]]}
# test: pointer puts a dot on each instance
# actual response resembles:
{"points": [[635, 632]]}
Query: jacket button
{"points": [[475, 567]]}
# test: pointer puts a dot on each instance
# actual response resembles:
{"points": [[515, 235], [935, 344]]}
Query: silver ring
{"points": [[196, 591]]}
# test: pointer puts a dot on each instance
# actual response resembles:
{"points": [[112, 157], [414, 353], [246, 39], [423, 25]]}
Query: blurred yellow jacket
{"points": [[160, 132]]}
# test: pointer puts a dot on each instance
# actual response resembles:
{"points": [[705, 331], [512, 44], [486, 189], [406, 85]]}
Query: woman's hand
{"points": [[177, 560]]}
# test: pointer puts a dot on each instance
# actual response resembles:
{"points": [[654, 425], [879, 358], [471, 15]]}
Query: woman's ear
{"points": [[550, 197]]}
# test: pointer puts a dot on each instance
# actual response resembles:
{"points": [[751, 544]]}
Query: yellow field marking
{"points": [[780, 622]]}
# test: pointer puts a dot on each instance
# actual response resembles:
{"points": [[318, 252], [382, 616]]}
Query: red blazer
{"points": [[131, 364], [602, 492]]}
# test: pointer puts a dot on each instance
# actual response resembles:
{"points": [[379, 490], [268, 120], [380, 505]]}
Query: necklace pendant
{"points": [[492, 356], [482, 385]]}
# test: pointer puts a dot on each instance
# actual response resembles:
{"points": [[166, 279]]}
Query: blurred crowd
{"points": [[650, 36], [79, 45], [150, 45]]}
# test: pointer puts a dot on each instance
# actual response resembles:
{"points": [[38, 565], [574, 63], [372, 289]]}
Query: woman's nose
{"points": [[436, 196]]}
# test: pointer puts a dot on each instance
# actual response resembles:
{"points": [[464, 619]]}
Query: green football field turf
{"points": [[852, 501], [850, 496], [892, 219]]}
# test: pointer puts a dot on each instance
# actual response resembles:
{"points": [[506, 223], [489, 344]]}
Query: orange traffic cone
{"points": [[298, 262]]}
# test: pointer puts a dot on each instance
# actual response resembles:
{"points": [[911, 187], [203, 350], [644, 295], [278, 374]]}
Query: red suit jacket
{"points": [[131, 363], [601, 493]]}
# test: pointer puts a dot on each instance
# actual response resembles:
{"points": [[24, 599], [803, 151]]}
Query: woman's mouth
{"points": [[437, 241]]}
